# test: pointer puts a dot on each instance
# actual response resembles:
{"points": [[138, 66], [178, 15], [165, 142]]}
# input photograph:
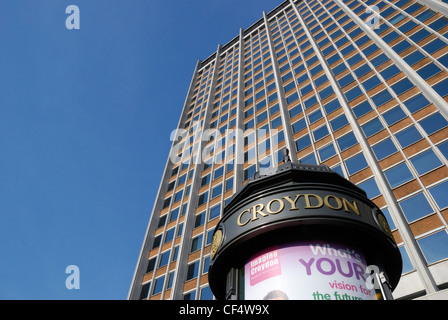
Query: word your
{"points": [[73, 20], [307, 201], [197, 146], [73, 280], [329, 267]]}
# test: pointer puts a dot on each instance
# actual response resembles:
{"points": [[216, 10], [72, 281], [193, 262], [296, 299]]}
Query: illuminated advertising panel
{"points": [[307, 271]]}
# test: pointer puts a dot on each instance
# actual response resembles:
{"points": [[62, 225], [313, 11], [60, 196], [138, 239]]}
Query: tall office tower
{"points": [[360, 86]]}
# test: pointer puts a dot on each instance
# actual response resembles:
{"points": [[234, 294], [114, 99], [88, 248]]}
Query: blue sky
{"points": [[85, 121]]}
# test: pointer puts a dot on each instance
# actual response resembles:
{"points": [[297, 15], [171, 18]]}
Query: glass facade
{"points": [[360, 86]]}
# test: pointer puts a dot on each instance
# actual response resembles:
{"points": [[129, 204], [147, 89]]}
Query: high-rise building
{"points": [[360, 86]]}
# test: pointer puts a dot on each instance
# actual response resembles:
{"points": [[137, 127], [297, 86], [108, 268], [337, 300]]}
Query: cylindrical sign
{"points": [[307, 271]]}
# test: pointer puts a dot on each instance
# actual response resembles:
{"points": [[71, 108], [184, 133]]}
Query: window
{"points": [[371, 83], [414, 57], [381, 98], [178, 196], [316, 115], [416, 207], [199, 220], [398, 175], [394, 115], [151, 265], [310, 102], [442, 88], [249, 172], [276, 122], [347, 141], [425, 15], [327, 152], [192, 271], [158, 287], [372, 127], [206, 265], [196, 243], [332, 106], [428, 71], [170, 280], [309, 159], [353, 93], [320, 133], [356, 163], [229, 184], [390, 72], [215, 212], [400, 47], [370, 187], [433, 123], [439, 193], [190, 295], [145, 291], [169, 235], [407, 265], [299, 125], [216, 191], [362, 109], [164, 259], [303, 142], [206, 293], [384, 149], [203, 198], [408, 136], [443, 147], [402, 86], [435, 246], [338, 122], [434, 46], [425, 162], [157, 241], [416, 103], [218, 172]]}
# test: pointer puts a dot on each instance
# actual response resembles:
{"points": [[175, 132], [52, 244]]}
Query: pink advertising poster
{"points": [[307, 271]]}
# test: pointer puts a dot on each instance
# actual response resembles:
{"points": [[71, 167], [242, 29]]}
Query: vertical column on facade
{"points": [[437, 6], [239, 133], [139, 272], [373, 164], [287, 129], [178, 283]]}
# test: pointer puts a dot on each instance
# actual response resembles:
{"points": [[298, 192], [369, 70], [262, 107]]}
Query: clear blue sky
{"points": [[85, 121]]}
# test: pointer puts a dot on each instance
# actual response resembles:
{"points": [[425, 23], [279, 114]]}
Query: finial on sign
{"points": [[286, 157]]}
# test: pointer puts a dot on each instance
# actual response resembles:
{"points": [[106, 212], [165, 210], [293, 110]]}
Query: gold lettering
{"points": [[353, 206], [338, 202], [238, 221], [256, 211], [268, 206], [308, 204], [293, 203]]}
